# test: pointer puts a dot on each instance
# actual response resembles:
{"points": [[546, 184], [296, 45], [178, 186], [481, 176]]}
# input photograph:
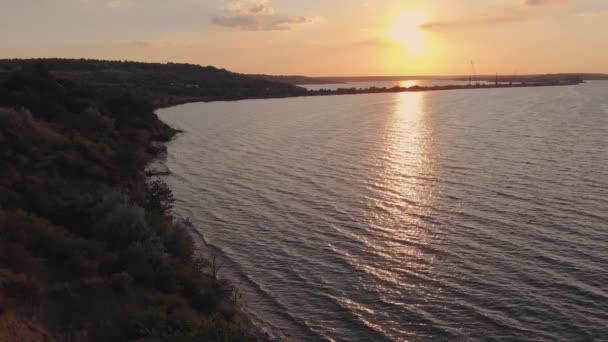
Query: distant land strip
{"points": [[170, 84], [305, 80]]}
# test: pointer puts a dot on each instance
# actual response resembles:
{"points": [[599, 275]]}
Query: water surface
{"points": [[453, 215]]}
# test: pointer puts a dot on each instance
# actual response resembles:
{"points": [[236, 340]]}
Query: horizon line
{"points": [[308, 76]]}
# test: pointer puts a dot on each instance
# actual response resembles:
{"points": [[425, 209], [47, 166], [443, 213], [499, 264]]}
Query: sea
{"points": [[460, 215]]}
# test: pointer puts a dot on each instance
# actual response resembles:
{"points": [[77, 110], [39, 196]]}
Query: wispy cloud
{"points": [[526, 10], [164, 43], [537, 3], [256, 15], [116, 3], [487, 20], [593, 14]]}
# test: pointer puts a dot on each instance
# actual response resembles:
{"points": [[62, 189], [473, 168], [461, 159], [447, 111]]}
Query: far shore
{"points": [[175, 101]]}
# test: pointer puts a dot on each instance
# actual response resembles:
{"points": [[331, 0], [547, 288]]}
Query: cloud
{"points": [[256, 15], [116, 3], [441, 25], [537, 3], [592, 14], [255, 8], [527, 10], [164, 43]]}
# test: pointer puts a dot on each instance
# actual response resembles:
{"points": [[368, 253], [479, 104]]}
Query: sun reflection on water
{"points": [[395, 245], [409, 83], [407, 188]]}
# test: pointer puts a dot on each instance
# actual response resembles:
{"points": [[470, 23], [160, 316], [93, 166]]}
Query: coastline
{"points": [[168, 102], [241, 317]]}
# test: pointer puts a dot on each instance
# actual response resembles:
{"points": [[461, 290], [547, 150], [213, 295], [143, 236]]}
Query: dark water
{"points": [[457, 215]]}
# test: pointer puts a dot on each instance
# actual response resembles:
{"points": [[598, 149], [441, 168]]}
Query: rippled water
{"points": [[455, 215]]}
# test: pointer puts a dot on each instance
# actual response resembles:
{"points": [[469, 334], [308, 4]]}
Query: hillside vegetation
{"points": [[88, 247], [160, 84], [295, 80]]}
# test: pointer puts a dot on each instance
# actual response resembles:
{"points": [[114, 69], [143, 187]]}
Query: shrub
{"points": [[162, 323], [121, 282], [93, 122], [180, 324], [128, 159], [40, 238], [178, 241], [119, 223], [149, 263], [217, 329], [16, 257], [84, 259], [21, 286]]}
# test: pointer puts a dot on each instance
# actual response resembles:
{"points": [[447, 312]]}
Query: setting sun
{"points": [[407, 30]]}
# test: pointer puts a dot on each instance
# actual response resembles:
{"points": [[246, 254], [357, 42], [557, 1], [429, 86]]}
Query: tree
{"points": [[216, 263], [159, 196]]}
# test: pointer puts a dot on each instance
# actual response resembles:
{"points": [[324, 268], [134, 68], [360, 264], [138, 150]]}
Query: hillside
{"points": [[89, 250], [160, 84], [295, 80]]}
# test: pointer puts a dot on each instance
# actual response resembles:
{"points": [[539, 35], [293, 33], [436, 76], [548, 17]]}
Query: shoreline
{"points": [[164, 103], [243, 319]]}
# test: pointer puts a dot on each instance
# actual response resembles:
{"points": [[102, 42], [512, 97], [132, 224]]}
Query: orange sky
{"points": [[319, 37]]}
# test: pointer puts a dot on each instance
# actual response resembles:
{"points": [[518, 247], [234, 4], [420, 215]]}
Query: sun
{"points": [[407, 30]]}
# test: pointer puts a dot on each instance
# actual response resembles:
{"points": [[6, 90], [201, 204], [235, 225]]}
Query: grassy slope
{"points": [[88, 250]]}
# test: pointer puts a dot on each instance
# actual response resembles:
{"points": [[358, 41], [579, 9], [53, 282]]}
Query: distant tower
{"points": [[473, 71], [514, 76]]}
